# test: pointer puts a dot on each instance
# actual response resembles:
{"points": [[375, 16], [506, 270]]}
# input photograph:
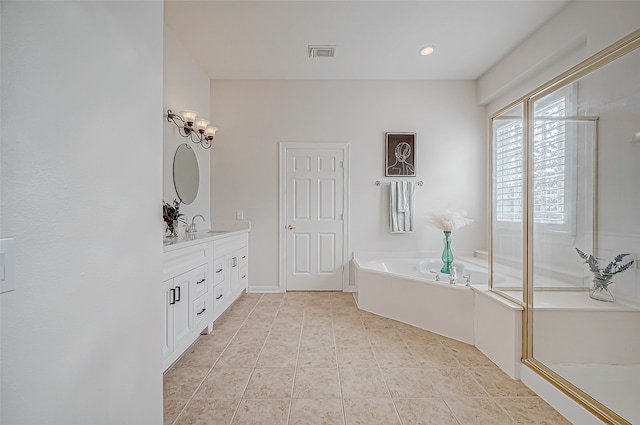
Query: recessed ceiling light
{"points": [[427, 50]]}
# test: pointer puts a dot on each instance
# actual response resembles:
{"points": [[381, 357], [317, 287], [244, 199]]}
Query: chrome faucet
{"points": [[191, 228], [437, 277], [453, 276]]}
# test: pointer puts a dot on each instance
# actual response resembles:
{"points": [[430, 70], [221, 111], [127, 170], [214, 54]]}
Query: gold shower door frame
{"points": [[597, 61]]}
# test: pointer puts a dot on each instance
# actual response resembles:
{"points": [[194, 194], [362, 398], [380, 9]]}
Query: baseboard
{"points": [[263, 289]]}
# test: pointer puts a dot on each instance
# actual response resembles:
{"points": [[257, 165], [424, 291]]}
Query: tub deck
{"points": [[437, 307], [470, 314]]}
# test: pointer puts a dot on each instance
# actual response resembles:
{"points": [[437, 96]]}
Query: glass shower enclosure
{"points": [[565, 228]]}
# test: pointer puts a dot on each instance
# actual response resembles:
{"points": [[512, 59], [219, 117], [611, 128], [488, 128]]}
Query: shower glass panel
{"points": [[508, 203], [584, 193], [563, 170]]}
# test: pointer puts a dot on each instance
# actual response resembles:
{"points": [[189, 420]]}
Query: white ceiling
{"points": [[375, 40]]}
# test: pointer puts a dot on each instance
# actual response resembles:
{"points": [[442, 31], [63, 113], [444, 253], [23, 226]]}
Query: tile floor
{"points": [[305, 358]]}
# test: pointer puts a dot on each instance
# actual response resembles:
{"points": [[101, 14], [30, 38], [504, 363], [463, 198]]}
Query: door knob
{"points": [[290, 227]]}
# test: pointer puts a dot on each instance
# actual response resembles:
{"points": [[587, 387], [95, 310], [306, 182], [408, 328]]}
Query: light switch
{"points": [[239, 215], [7, 274]]}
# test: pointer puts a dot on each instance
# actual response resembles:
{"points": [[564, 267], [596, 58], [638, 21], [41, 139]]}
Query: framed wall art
{"points": [[400, 158]]}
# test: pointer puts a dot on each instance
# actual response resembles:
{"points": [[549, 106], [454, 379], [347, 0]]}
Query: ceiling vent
{"points": [[322, 51]]}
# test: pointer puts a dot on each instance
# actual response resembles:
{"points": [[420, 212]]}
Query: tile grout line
{"points": [[244, 390], [190, 399], [335, 349], [466, 369], [225, 349], [453, 356], [384, 379], [295, 368]]}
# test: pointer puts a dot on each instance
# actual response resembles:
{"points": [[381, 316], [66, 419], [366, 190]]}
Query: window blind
{"points": [[549, 154], [549, 165], [508, 171]]}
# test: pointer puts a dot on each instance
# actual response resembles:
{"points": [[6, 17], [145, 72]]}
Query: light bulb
{"points": [[210, 132], [201, 124], [189, 117]]}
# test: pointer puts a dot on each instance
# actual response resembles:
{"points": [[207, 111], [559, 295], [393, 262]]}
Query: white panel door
{"points": [[314, 203]]}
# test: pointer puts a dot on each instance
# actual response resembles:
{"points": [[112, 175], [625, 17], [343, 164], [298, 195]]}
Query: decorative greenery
{"points": [[602, 276], [171, 214], [449, 220]]}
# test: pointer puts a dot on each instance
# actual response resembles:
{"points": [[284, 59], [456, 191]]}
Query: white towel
{"points": [[401, 206], [402, 203]]}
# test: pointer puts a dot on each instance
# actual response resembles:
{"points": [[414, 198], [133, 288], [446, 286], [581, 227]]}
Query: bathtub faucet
{"points": [[453, 276], [436, 273]]}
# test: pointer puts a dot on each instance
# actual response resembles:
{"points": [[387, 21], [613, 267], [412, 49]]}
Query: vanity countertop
{"points": [[219, 231]]}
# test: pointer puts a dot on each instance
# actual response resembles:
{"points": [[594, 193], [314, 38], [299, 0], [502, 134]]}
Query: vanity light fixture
{"points": [[189, 125]]}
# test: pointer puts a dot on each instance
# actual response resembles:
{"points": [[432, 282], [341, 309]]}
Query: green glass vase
{"points": [[447, 255]]}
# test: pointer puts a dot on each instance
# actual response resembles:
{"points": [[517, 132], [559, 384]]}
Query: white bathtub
{"points": [[425, 268], [399, 286], [404, 289]]}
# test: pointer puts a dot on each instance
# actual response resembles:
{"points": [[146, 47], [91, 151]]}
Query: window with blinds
{"points": [[550, 165], [508, 170]]}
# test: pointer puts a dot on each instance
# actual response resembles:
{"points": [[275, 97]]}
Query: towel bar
{"points": [[378, 183]]}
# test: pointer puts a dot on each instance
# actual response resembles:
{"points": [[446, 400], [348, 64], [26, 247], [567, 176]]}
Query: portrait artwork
{"points": [[400, 155]]}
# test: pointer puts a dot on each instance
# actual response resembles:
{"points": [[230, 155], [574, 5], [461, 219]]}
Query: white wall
{"points": [[81, 185], [254, 116], [186, 87], [580, 30]]}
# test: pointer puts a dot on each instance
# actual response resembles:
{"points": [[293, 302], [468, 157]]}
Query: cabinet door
{"points": [[182, 321], [218, 295], [199, 283], [167, 322], [244, 269], [218, 270], [244, 279], [233, 265], [200, 311]]}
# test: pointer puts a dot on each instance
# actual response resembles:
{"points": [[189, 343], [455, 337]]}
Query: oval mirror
{"points": [[186, 175]]}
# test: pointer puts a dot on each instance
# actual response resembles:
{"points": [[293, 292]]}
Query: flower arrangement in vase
{"points": [[448, 221], [602, 277], [171, 214]]}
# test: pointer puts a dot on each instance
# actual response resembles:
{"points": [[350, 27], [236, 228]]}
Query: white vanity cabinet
{"points": [[188, 308], [204, 274], [231, 256]]}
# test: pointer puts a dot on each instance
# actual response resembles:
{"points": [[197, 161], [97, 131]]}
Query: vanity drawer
{"points": [[201, 311], [218, 270], [182, 260], [220, 295], [244, 278], [229, 244], [199, 284], [242, 254]]}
